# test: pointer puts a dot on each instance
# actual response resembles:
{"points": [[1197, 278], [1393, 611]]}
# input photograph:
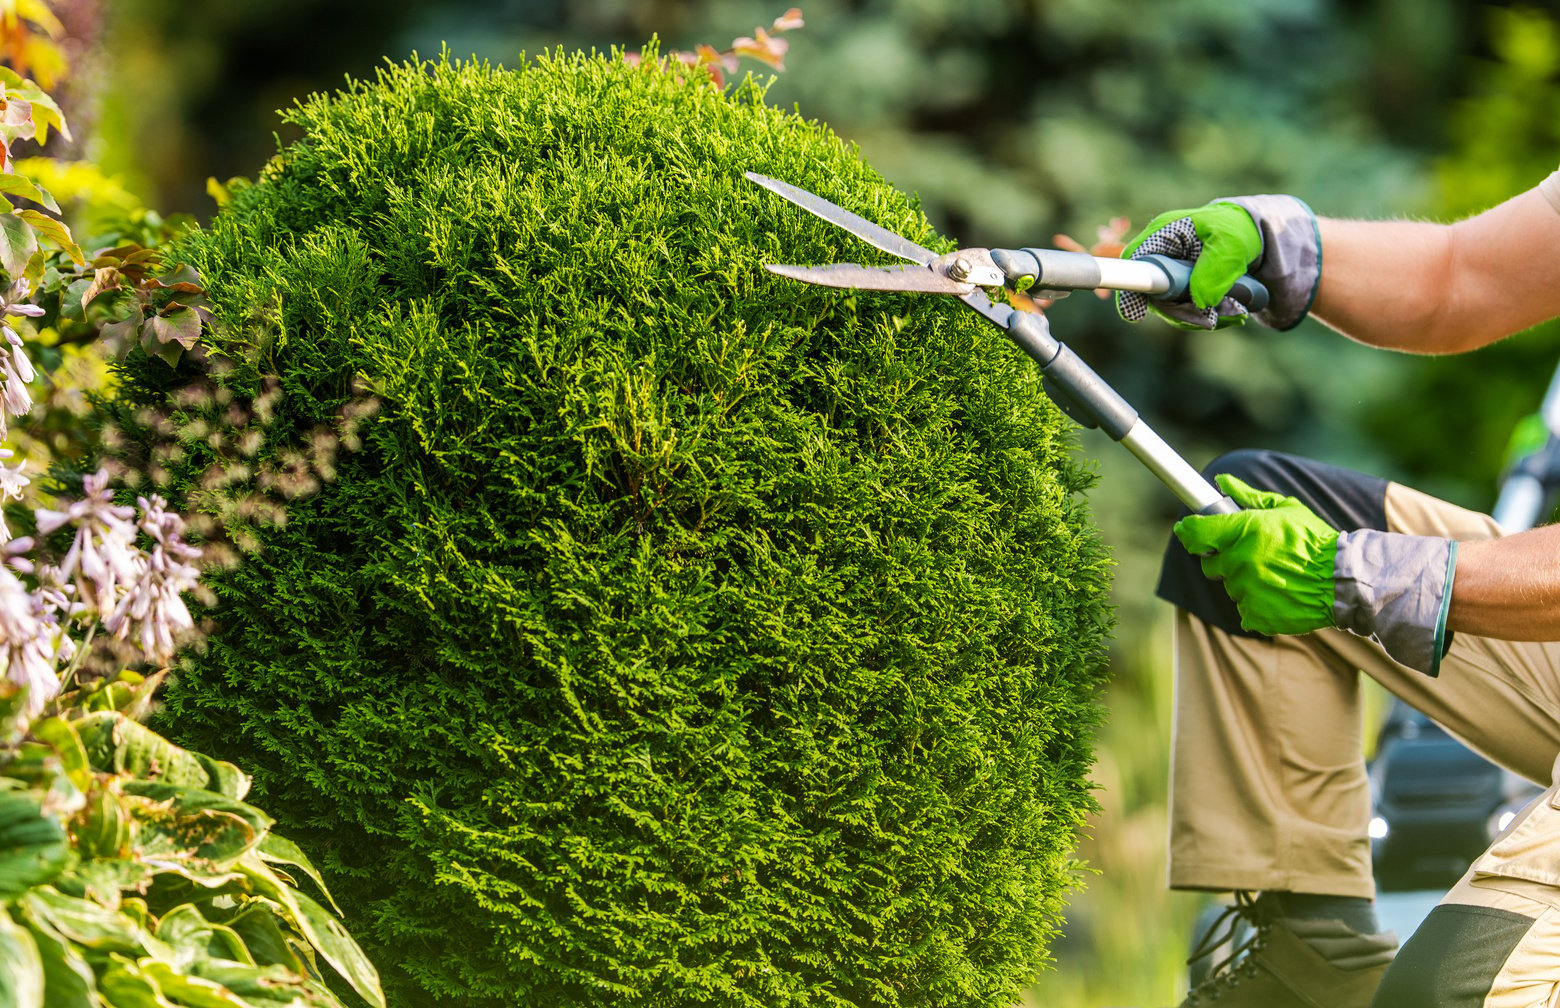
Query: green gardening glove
{"points": [[1230, 244], [1275, 559], [1273, 238], [1223, 241]]}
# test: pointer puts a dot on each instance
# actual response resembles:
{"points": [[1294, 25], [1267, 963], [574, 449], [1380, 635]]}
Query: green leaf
{"points": [[191, 800], [279, 850], [265, 986], [202, 845], [56, 230], [192, 937], [192, 991], [259, 924], [116, 744], [104, 879], [26, 188], [18, 242], [58, 733], [103, 825], [34, 847], [68, 981], [323, 931], [125, 985], [87, 923], [21, 970]]}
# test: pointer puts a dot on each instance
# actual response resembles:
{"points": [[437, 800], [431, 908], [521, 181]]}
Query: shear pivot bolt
{"points": [[960, 268]]}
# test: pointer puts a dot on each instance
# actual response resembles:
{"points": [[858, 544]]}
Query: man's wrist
{"points": [[1290, 265], [1396, 589]]}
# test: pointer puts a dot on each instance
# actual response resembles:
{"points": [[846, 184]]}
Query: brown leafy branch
{"points": [[766, 46]]}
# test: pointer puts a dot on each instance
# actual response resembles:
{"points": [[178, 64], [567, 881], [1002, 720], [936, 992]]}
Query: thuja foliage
{"points": [[679, 634]]}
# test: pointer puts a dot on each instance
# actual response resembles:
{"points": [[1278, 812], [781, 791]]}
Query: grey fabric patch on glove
{"points": [[1178, 240], [1291, 262], [1395, 589]]}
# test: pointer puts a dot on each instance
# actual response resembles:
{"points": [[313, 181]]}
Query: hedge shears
{"points": [[1074, 386]]}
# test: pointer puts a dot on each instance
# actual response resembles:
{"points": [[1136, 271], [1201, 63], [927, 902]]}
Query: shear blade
{"points": [[873, 234], [917, 278]]}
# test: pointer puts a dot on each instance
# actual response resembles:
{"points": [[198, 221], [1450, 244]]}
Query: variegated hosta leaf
{"points": [[34, 847], [323, 931], [68, 981], [21, 970], [116, 744]]}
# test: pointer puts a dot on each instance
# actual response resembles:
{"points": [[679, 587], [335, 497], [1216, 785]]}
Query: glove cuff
{"points": [[1291, 261], [1396, 590]]}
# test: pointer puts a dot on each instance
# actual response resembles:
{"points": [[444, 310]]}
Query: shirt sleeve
{"points": [[1550, 187]]}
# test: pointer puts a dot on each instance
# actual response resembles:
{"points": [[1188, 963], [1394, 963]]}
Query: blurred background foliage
{"points": [[1014, 120]]}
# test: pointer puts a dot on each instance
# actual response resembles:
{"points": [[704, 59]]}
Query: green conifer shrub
{"points": [[679, 634]]}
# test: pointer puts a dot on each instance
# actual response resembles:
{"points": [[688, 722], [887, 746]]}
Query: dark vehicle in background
{"points": [[1437, 803]]}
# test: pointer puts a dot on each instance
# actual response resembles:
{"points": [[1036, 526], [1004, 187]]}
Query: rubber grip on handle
{"points": [[1247, 291]]}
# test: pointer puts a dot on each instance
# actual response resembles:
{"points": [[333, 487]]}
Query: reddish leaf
{"points": [[709, 56], [787, 21], [104, 278], [181, 325], [182, 273], [168, 350], [763, 47], [16, 120], [121, 332]]}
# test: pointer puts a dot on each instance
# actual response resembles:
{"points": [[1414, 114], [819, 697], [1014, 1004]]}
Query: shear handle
{"points": [[1159, 277]]}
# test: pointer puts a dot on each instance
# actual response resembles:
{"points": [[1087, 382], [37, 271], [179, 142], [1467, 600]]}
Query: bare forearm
{"points": [[1366, 294], [1441, 288], [1509, 588]]}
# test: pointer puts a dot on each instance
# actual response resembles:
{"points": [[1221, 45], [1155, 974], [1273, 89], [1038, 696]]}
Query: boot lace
{"points": [[1238, 964]]}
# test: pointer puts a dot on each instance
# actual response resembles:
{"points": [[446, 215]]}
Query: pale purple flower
{"points": [[152, 607], [11, 483], [12, 480], [14, 301], [29, 642], [103, 551], [18, 370]]}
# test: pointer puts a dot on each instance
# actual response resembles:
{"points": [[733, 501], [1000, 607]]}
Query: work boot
{"points": [[1291, 962]]}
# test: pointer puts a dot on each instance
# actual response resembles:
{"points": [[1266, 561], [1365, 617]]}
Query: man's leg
{"points": [[1268, 785], [1494, 942]]}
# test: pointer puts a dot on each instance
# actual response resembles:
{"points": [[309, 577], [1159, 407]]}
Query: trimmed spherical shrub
{"points": [[679, 634]]}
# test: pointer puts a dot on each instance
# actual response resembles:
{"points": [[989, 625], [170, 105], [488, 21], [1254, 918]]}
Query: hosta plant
{"points": [[133, 874]]}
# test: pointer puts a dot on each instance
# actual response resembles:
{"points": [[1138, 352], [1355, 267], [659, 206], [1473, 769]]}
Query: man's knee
{"points": [[1454, 959]]}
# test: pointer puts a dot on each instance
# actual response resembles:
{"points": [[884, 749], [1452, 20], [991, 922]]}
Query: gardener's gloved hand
{"points": [[1273, 238], [1289, 572]]}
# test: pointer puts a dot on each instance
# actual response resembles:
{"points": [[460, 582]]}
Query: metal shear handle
{"points": [[1158, 276]]}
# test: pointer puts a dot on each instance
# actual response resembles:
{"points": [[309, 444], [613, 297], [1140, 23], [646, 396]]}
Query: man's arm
{"points": [[1442, 288], [1509, 588]]}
